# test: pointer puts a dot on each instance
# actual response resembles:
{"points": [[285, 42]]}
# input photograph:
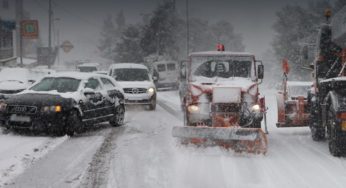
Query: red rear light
{"points": [[341, 115], [220, 47]]}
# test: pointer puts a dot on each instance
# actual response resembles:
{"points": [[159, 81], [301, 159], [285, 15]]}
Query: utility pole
{"points": [[187, 29], [19, 37], [50, 15]]}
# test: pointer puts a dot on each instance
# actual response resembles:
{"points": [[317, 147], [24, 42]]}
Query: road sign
{"points": [[67, 46], [29, 29]]}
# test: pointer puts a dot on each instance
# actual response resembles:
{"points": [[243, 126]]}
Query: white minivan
{"points": [[136, 82], [168, 74]]}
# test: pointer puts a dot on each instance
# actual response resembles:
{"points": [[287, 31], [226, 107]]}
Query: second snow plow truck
{"points": [[221, 101], [325, 103]]}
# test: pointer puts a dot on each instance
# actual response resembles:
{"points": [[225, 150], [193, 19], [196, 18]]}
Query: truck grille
{"points": [[135, 90], [21, 109]]}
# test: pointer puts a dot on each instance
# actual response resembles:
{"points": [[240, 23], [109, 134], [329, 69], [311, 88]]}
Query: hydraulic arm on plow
{"points": [[221, 102]]}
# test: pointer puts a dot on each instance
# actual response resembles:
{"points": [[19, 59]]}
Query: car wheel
{"points": [[152, 105], [74, 123], [119, 116]]}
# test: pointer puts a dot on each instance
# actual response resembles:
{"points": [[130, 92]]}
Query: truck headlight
{"points": [[256, 108], [3, 106], [193, 108], [151, 91]]}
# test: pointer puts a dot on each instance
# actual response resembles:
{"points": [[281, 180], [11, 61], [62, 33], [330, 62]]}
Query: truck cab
{"points": [[222, 84]]}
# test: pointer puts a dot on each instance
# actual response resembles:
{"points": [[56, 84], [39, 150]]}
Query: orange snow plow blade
{"points": [[250, 140]]}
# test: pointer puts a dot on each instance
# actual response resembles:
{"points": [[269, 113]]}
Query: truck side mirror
{"points": [[183, 70], [260, 71]]}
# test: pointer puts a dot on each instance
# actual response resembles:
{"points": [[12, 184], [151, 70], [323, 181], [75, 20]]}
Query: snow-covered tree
{"points": [[223, 32], [111, 33], [128, 49], [297, 27], [107, 40], [159, 35]]}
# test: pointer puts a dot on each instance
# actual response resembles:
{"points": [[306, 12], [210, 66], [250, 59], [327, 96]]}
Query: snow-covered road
{"points": [[143, 154]]}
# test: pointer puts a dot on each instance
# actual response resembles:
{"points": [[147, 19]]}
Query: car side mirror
{"points": [[88, 91], [155, 78], [260, 71]]}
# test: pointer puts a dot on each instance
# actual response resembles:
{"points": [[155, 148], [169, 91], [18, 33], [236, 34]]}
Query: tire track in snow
{"points": [[97, 173]]}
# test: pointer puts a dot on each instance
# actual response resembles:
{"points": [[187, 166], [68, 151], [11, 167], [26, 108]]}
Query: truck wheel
{"points": [[318, 132], [334, 139], [74, 123], [119, 116]]}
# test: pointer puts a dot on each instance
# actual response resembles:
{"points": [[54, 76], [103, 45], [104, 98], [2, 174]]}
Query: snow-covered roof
{"points": [[164, 62], [74, 74], [89, 65], [299, 83], [336, 79], [220, 53], [128, 65]]}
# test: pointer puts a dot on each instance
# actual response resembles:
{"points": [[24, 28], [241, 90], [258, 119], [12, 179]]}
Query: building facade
{"points": [[7, 31]]}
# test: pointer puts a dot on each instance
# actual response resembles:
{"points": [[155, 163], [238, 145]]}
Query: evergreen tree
{"points": [[129, 49], [159, 35], [107, 41]]}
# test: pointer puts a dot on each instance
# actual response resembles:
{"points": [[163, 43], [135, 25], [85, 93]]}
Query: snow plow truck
{"points": [[221, 101], [324, 106]]}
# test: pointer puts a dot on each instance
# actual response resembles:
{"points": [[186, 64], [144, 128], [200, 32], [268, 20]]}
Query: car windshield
{"points": [[61, 85], [221, 67], [295, 90], [131, 75]]}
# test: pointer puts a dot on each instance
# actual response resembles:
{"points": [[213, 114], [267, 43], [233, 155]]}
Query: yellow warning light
{"points": [[58, 108], [328, 13]]}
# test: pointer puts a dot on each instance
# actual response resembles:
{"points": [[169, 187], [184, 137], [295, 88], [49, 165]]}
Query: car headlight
{"points": [[256, 108], [193, 108], [3, 106], [151, 91], [48, 109]]}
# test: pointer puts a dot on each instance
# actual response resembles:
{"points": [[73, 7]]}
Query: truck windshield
{"points": [[222, 67], [61, 85], [131, 75]]}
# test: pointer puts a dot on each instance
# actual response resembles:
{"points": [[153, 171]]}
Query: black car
{"points": [[65, 103]]}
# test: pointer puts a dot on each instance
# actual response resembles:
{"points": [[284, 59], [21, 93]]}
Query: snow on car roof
{"points": [[128, 65], [220, 53], [164, 62], [89, 65], [76, 75], [299, 83]]}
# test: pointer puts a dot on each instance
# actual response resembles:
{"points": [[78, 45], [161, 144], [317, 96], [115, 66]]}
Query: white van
{"points": [[136, 82], [168, 74]]}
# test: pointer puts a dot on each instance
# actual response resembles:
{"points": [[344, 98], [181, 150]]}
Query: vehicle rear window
{"points": [[161, 67], [171, 67], [61, 85]]}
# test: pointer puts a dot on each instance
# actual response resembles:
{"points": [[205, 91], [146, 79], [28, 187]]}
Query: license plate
{"points": [[17, 118]]}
